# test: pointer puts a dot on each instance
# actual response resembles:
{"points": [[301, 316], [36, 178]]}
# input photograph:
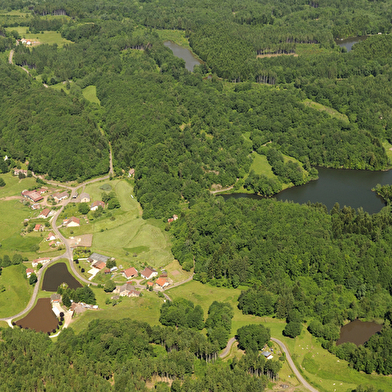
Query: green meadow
{"points": [[14, 186], [322, 108], [90, 93], [145, 308], [123, 234], [17, 290], [47, 37]]}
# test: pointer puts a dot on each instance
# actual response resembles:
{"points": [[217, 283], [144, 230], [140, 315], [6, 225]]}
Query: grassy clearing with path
{"points": [[327, 109], [90, 93], [18, 291], [145, 309], [48, 37], [126, 233], [12, 215], [14, 186], [325, 371]]}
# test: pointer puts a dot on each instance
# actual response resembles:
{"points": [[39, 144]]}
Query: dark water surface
{"points": [[183, 53], [41, 318], [56, 275], [347, 187], [358, 332], [349, 42]]}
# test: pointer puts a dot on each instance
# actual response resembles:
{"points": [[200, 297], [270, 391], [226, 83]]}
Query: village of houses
{"points": [[46, 201]]}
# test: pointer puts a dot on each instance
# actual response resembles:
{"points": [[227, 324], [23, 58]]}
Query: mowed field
{"points": [[90, 93], [132, 240], [14, 186], [48, 37], [145, 308], [12, 214], [17, 290]]}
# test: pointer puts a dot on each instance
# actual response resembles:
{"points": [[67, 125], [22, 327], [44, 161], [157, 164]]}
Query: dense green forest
{"points": [[122, 356], [186, 133]]}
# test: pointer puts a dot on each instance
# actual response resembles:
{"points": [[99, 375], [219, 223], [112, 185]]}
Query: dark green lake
{"points": [[183, 53], [349, 42], [347, 187]]}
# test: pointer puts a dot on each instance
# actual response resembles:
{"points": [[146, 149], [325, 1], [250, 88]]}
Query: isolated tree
{"points": [[66, 300], [33, 279], [83, 208], [292, 329], [2, 182], [109, 286]]}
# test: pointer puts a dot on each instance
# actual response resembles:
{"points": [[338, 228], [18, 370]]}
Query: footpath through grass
{"points": [[322, 108], [17, 290]]}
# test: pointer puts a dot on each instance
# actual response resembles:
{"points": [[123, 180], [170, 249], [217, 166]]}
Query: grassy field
{"points": [[260, 165], [312, 49], [145, 308], [14, 186], [330, 111], [12, 215], [125, 234], [48, 37], [17, 293], [90, 93]]}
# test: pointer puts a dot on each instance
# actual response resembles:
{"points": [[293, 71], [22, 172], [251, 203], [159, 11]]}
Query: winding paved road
{"points": [[227, 349]]}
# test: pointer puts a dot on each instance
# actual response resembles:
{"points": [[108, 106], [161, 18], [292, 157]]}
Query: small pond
{"points": [[358, 332], [183, 53], [41, 318], [349, 42], [56, 275], [346, 187]]}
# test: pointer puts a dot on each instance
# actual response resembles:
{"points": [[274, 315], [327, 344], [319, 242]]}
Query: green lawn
{"points": [[260, 165], [145, 308], [330, 111], [90, 93], [17, 293], [12, 215], [14, 186], [125, 234], [48, 37]]}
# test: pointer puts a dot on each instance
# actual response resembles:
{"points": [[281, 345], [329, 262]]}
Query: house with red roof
{"points": [[29, 271], [96, 205], [38, 227], [44, 213], [130, 273], [32, 195], [50, 237], [71, 222], [99, 264], [161, 282], [148, 273]]}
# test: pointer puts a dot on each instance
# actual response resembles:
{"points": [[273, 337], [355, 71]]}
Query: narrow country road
{"points": [[11, 56], [293, 367], [227, 349]]}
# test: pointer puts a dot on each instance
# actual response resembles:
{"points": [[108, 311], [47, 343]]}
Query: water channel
{"points": [[349, 42], [56, 275], [183, 53], [347, 187], [358, 332]]}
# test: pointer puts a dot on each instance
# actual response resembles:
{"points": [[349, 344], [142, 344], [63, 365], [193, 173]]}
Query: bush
{"points": [[109, 286], [2, 182], [292, 329]]}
